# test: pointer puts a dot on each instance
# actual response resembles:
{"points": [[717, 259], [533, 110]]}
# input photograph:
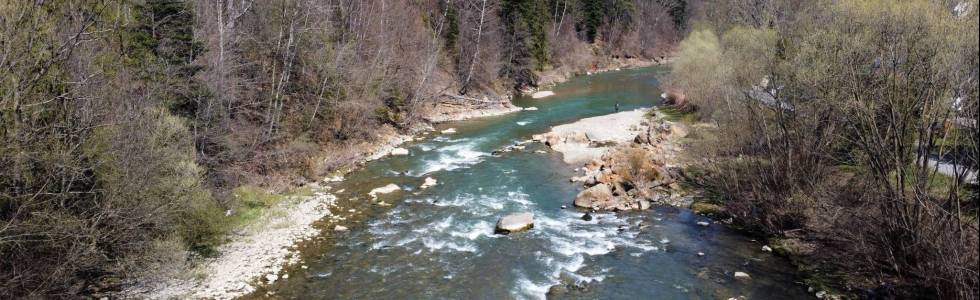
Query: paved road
{"points": [[947, 169]]}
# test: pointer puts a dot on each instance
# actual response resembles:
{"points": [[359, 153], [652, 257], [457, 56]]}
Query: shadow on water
{"points": [[438, 243]]}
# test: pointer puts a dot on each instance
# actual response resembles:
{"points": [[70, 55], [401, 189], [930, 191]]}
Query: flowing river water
{"points": [[438, 243]]}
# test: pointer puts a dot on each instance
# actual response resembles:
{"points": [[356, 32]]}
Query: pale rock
{"points": [[429, 182], [399, 151], [515, 222], [542, 94], [340, 228], [742, 276], [449, 131], [766, 248], [598, 195], [644, 204], [531, 108], [390, 188]]}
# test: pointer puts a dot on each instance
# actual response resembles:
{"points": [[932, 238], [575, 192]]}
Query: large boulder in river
{"points": [[390, 188], [599, 195], [514, 223]]}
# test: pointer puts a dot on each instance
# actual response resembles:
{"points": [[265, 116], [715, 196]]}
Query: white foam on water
{"points": [[435, 245], [527, 289], [436, 227], [520, 198], [572, 240], [522, 123], [452, 157], [474, 231]]}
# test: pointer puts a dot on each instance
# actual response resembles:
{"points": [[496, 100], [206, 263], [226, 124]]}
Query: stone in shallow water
{"points": [[390, 188], [399, 151], [742, 276], [429, 182], [542, 94], [514, 223]]}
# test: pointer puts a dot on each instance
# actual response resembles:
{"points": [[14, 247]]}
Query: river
{"points": [[438, 243]]}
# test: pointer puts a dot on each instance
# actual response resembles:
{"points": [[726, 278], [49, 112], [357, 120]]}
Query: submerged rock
{"points": [[587, 217], [514, 223]]}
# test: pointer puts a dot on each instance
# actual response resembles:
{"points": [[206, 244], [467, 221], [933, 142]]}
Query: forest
{"points": [[847, 133], [137, 136], [128, 128]]}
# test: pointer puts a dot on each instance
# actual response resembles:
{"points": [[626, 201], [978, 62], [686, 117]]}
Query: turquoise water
{"points": [[438, 243]]}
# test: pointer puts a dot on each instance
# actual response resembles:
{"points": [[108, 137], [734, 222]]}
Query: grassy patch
{"points": [[674, 114], [937, 184], [256, 203]]}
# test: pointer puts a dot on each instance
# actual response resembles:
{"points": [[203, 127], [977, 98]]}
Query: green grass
{"points": [[936, 184], [256, 202], [676, 115]]}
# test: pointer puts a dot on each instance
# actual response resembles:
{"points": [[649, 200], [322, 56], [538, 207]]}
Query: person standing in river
{"points": [[617, 106]]}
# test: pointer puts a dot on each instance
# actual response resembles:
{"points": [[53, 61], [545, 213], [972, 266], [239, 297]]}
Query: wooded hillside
{"points": [[125, 124]]}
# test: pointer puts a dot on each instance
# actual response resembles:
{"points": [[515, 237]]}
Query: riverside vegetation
{"points": [[829, 116], [135, 135]]}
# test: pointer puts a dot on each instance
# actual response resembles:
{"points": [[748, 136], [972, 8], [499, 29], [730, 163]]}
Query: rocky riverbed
{"points": [[627, 159]]}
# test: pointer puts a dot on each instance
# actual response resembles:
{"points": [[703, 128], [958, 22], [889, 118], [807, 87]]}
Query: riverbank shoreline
{"points": [[257, 257]]}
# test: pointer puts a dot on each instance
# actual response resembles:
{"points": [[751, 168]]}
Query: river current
{"points": [[438, 243]]}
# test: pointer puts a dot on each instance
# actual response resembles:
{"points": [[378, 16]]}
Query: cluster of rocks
{"points": [[519, 146], [623, 169]]}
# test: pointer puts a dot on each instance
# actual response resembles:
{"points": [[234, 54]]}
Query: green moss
{"points": [[705, 208]]}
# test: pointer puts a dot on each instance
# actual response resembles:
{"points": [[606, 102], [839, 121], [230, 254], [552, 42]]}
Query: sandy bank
{"points": [[591, 138]]}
